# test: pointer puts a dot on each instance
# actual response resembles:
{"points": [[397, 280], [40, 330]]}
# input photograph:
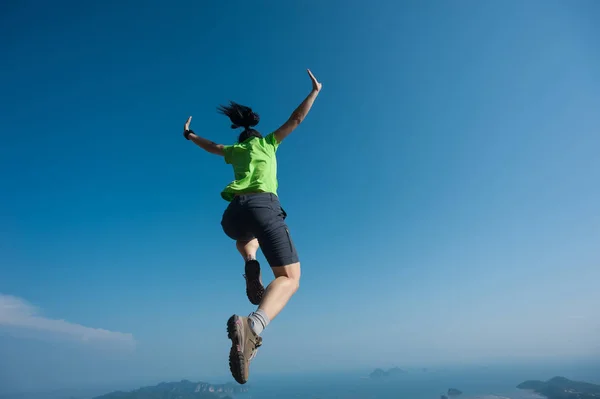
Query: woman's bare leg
{"points": [[254, 286], [247, 249], [279, 292]]}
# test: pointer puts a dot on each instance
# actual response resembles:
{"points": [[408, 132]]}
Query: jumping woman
{"points": [[254, 218]]}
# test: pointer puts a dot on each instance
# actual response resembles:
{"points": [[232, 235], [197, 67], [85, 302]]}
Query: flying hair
{"points": [[241, 116]]}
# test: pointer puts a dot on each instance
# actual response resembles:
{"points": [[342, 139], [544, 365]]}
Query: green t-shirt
{"points": [[254, 166]]}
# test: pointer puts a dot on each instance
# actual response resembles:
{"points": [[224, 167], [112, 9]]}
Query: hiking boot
{"points": [[244, 346], [254, 288]]}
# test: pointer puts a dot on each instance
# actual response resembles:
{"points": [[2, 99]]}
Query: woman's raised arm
{"points": [[299, 113]]}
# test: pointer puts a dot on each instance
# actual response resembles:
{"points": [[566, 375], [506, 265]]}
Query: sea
{"points": [[475, 382], [497, 381]]}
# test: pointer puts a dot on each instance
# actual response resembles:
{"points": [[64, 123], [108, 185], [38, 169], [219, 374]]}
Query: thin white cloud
{"points": [[17, 313]]}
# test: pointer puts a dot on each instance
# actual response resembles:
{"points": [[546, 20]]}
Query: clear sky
{"points": [[443, 193]]}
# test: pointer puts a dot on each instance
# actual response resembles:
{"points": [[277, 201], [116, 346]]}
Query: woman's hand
{"points": [[186, 128], [316, 85], [205, 144]]}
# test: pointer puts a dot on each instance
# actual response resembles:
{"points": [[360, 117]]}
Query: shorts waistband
{"points": [[261, 195]]}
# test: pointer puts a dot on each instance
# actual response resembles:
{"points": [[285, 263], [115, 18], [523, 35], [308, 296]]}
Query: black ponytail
{"points": [[241, 116]]}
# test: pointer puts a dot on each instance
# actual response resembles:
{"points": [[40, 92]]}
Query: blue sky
{"points": [[443, 193]]}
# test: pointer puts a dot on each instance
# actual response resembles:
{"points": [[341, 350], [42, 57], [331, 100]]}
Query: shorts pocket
{"points": [[278, 210], [290, 243]]}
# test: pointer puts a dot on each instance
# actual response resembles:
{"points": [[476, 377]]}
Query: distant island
{"points": [[380, 373], [181, 390], [451, 392], [562, 388]]}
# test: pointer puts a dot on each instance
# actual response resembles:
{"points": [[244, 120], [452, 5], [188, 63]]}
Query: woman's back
{"points": [[254, 163]]}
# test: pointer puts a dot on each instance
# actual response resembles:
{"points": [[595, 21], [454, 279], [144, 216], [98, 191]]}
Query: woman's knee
{"points": [[296, 285], [291, 272], [293, 284]]}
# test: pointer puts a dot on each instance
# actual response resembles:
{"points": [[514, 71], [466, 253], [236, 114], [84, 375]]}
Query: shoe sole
{"points": [[254, 288], [236, 355]]}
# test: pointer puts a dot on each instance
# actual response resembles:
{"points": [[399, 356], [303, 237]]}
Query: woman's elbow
{"points": [[296, 119]]}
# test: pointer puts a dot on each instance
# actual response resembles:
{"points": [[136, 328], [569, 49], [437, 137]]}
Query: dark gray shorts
{"points": [[261, 216]]}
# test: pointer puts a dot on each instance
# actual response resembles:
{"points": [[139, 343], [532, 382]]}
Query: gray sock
{"points": [[258, 321]]}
